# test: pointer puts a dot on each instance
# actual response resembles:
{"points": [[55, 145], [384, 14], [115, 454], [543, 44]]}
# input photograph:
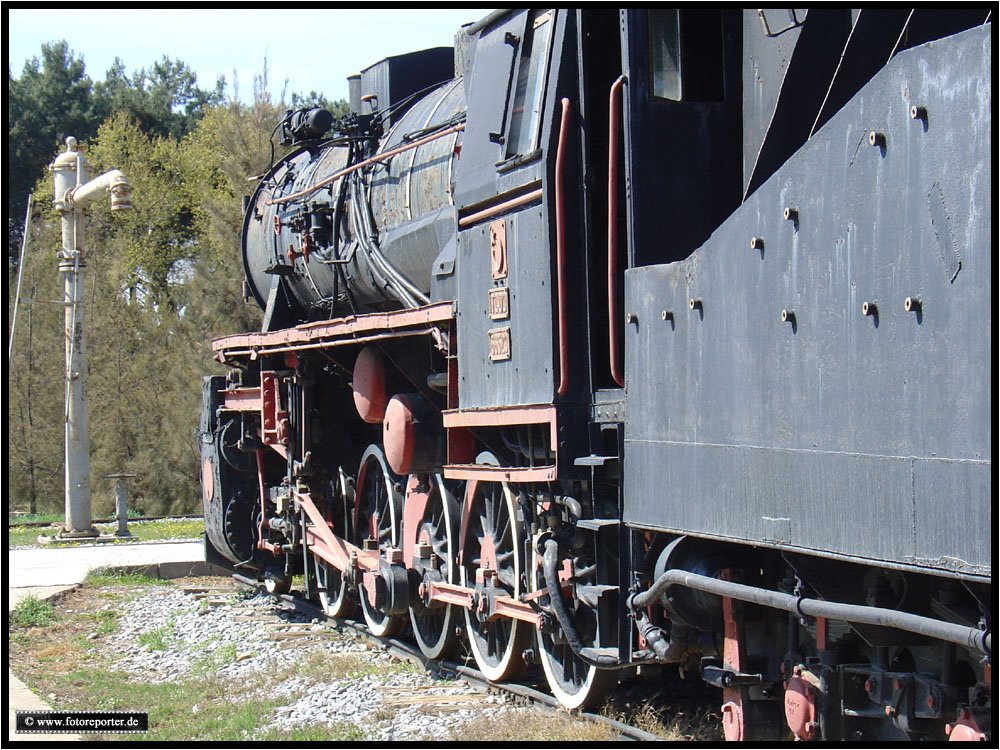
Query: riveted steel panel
{"points": [[860, 429], [510, 363]]}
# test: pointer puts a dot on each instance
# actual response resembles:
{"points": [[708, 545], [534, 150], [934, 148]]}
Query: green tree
{"points": [[164, 99], [35, 404], [162, 281], [160, 234], [53, 99]]}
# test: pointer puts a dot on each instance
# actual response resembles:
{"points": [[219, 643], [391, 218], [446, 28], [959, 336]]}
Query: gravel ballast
{"points": [[171, 635]]}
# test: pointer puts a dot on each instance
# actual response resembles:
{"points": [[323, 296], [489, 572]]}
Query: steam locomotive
{"points": [[630, 342]]}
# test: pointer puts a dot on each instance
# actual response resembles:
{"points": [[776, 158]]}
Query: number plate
{"points": [[499, 344], [499, 303]]}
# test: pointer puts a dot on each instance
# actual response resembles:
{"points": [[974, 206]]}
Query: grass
{"points": [[530, 726], [142, 531], [157, 639], [103, 577], [34, 518], [32, 613], [211, 660]]}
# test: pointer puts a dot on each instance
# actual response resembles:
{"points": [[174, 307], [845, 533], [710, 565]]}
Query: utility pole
{"points": [[73, 193]]}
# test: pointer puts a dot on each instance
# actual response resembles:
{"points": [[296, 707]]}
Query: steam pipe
{"points": [[971, 638]]}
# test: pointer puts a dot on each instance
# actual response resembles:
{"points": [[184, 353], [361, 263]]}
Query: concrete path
{"points": [[46, 572], [63, 566]]}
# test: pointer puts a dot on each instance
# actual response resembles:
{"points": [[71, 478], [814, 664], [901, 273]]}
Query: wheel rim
{"points": [[378, 509], [573, 682], [493, 535], [435, 628], [334, 596]]}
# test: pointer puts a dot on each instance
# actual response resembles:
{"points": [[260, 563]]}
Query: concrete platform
{"points": [[47, 572]]}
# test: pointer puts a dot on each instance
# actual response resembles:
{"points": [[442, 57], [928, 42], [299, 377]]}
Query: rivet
{"points": [[631, 318], [791, 214], [694, 303], [918, 113], [869, 308], [787, 316], [666, 314], [756, 243], [876, 139], [912, 304]]}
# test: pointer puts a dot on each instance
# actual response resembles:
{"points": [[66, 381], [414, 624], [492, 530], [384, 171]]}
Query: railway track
{"points": [[404, 650]]}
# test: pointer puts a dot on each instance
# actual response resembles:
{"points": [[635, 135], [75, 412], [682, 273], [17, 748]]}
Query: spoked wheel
{"points": [[493, 539], [437, 536], [379, 509], [334, 596], [573, 682]]}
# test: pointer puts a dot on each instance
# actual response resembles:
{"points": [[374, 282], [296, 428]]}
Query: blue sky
{"points": [[314, 49]]}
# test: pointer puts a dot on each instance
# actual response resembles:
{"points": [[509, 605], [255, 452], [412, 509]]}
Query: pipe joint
{"points": [[113, 182]]}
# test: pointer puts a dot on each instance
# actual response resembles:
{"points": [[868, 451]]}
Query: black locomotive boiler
{"points": [[626, 341]]}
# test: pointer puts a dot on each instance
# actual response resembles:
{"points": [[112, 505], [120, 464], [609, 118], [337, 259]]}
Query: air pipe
{"points": [[550, 561], [972, 638]]}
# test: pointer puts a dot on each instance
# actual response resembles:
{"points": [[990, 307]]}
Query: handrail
{"points": [[561, 249], [499, 208], [371, 160], [614, 319]]}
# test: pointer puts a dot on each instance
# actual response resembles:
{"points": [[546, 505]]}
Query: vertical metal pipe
{"points": [[77, 438], [20, 276], [121, 507], [564, 125], [614, 319]]}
